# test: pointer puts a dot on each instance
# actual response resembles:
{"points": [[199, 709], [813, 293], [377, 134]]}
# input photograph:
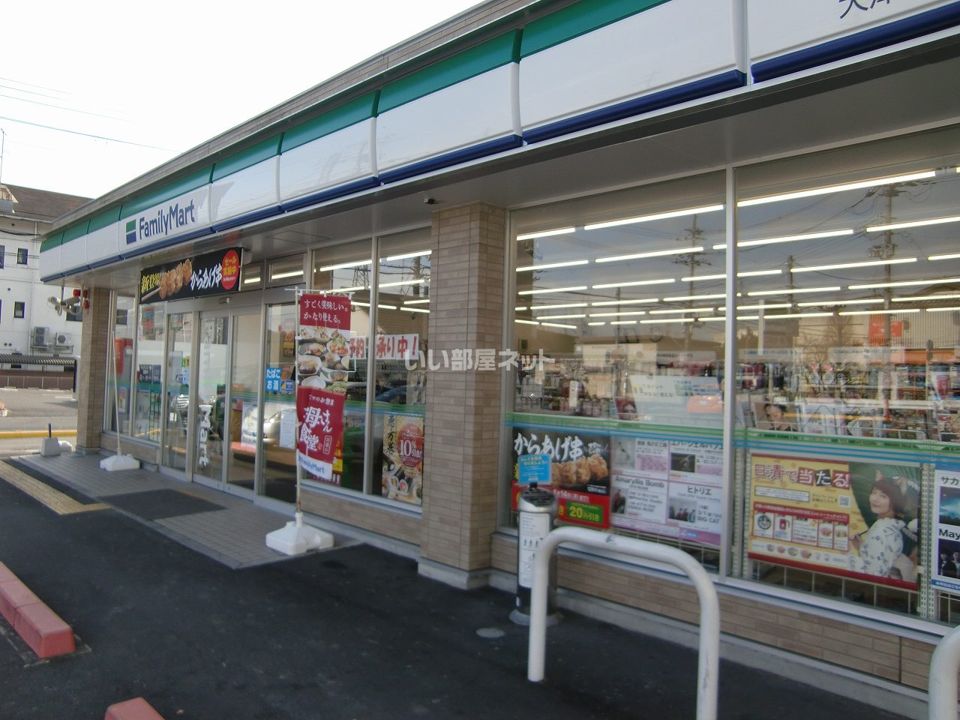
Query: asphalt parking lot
{"points": [[31, 410]]}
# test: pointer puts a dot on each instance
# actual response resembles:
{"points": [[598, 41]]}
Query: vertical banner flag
{"points": [[320, 414]]}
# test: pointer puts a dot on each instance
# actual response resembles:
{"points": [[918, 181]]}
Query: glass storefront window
{"points": [[280, 404], [119, 394], [148, 373], [346, 269], [849, 376], [399, 345], [619, 328]]}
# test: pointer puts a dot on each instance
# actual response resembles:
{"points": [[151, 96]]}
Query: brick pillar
{"points": [[92, 370], [464, 420]]}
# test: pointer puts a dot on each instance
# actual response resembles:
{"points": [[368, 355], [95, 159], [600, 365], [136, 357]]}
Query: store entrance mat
{"points": [[157, 504]]}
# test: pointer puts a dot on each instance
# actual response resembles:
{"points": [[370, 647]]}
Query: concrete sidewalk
{"points": [[350, 633]]}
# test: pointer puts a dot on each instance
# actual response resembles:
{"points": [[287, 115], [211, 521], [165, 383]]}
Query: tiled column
{"points": [[92, 370], [463, 423]]}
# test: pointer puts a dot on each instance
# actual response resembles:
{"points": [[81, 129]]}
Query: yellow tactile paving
{"points": [[42, 493]]}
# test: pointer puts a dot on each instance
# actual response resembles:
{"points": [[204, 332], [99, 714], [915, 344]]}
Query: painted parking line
{"points": [[15, 434], [53, 499]]}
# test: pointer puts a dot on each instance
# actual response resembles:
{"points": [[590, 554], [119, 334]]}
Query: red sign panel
{"points": [[320, 414], [326, 311]]}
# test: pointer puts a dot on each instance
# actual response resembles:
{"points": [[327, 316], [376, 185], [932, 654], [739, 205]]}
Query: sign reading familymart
{"points": [[178, 216]]}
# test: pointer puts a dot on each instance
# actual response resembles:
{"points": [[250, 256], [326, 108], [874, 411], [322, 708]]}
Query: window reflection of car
{"points": [[271, 428], [396, 395]]}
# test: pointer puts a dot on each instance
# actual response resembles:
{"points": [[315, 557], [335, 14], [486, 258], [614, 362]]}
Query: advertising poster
{"points": [[320, 416], [579, 472], [322, 370], [211, 274], [945, 574], [402, 476], [857, 519], [668, 488]]}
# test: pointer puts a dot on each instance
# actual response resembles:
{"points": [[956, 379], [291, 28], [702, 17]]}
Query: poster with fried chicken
{"points": [[574, 465], [667, 488], [211, 274]]}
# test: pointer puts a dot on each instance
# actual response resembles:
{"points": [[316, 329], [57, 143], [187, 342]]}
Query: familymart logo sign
{"points": [[164, 221]]}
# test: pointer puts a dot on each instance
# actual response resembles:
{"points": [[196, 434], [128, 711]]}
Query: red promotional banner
{"points": [[327, 311], [320, 414]]}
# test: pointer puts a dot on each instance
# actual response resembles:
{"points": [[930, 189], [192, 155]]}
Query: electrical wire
{"points": [[83, 134]]}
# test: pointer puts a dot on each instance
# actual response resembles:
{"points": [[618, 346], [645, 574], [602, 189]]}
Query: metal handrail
{"points": [[709, 659], [942, 684]]}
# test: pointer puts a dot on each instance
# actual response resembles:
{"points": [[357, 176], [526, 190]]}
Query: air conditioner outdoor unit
{"points": [[40, 336], [63, 339]]}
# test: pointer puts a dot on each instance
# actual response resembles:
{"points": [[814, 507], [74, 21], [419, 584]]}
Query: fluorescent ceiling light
{"points": [[913, 224], [682, 310], [418, 281], [761, 306], [559, 325], [829, 189], [623, 322], [697, 278], [948, 256], [406, 256], [723, 319], [944, 309], [834, 303], [381, 307], [723, 276], [635, 283], [788, 238], [684, 298], [560, 317], [251, 280], [341, 266], [905, 283], [844, 266], [668, 320], [288, 274], [416, 309], [343, 290], [641, 301], [656, 216], [651, 254], [423, 301], [542, 291], [781, 316], [793, 291], [561, 306], [626, 313], [596, 324], [926, 297], [526, 322], [547, 233], [550, 266], [898, 311]]}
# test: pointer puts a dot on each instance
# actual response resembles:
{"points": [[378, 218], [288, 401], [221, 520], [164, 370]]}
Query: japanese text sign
{"points": [[327, 311], [320, 415]]}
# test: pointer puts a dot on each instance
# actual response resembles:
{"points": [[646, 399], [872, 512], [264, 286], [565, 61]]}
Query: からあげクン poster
{"points": [[857, 519]]}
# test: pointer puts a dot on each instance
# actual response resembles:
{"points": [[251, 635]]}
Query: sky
{"points": [[94, 94]]}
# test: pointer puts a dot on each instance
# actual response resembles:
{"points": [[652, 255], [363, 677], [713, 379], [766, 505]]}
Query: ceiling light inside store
{"points": [[625, 313], [416, 309], [834, 303], [723, 276], [251, 280], [596, 324], [406, 256], [845, 266], [635, 283], [793, 291], [684, 298], [551, 266], [422, 301], [723, 319], [761, 306], [915, 298], [343, 290], [559, 325], [944, 309], [898, 311], [669, 320], [288, 274], [656, 216], [381, 307], [546, 233], [641, 301], [905, 283], [651, 254], [398, 283], [913, 224], [560, 317], [543, 291], [682, 310], [561, 306], [341, 266], [624, 322], [785, 316], [829, 189], [525, 322], [948, 256], [789, 238]]}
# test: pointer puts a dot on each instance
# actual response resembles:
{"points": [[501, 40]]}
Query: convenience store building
{"points": [[580, 215]]}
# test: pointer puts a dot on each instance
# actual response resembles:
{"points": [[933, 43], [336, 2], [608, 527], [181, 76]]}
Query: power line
{"points": [[41, 87], [28, 92], [58, 107], [83, 134]]}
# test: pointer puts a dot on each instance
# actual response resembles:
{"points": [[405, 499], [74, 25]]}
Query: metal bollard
{"points": [[537, 509]]}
